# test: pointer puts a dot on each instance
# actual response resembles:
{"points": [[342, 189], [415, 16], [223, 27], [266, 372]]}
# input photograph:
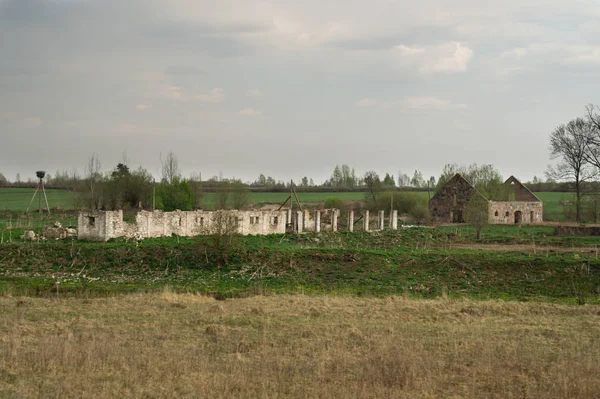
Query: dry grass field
{"points": [[171, 345]]}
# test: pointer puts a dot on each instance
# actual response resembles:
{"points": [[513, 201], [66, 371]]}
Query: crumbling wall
{"points": [[106, 225], [449, 204], [100, 225], [515, 212]]}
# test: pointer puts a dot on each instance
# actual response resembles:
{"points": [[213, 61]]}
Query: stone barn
{"points": [[517, 206]]}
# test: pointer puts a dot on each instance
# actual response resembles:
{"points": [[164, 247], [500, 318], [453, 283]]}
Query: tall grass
{"points": [[169, 345]]}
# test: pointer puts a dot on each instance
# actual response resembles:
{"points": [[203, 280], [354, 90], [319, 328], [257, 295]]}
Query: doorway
{"points": [[518, 217]]}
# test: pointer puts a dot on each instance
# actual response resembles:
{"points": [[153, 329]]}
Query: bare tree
{"points": [[170, 168], [572, 144], [223, 236], [477, 213], [374, 186], [93, 181]]}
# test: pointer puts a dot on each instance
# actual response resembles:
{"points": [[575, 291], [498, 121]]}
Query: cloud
{"points": [[367, 102], [255, 93], [446, 58], [215, 96], [251, 113], [142, 107]]}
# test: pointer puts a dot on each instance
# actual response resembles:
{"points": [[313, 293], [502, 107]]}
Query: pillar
{"points": [[288, 216], [334, 220], [351, 221], [317, 221], [299, 222], [366, 221], [380, 219], [394, 220]]}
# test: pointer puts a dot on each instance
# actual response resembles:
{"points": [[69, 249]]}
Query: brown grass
{"points": [[173, 345]]}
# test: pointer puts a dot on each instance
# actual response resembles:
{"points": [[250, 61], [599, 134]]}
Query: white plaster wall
{"points": [[163, 224]]}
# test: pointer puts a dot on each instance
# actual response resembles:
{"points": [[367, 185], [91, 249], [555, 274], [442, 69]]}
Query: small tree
{"points": [[222, 195], [477, 214], [170, 168], [240, 195], [93, 183], [374, 186], [570, 144], [224, 240]]}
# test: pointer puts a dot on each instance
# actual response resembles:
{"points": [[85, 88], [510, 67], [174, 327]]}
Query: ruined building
{"points": [[104, 225], [518, 205]]}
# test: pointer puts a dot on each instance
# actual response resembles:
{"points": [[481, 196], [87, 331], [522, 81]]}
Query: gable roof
{"points": [[513, 180], [459, 178]]}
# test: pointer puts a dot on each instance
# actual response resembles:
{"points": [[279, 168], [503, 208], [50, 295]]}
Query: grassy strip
{"points": [[417, 262]]}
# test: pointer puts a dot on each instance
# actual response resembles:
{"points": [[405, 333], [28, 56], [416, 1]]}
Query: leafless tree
{"points": [[223, 236], [573, 146], [93, 181], [170, 168]]}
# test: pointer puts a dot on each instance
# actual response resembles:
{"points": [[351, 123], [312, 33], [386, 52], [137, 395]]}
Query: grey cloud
{"points": [[109, 75]]}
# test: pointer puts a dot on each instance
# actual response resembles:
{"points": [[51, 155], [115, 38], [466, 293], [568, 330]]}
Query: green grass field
{"points": [[17, 199]]}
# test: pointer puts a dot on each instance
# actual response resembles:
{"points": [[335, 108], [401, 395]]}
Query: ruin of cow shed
{"points": [[518, 206]]}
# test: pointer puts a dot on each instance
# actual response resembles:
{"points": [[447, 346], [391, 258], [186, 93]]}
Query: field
{"points": [[16, 199], [174, 345], [418, 312]]}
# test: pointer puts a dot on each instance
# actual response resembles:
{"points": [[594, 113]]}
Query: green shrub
{"points": [[404, 202], [420, 213], [335, 203]]}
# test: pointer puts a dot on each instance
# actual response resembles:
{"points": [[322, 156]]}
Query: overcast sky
{"points": [[290, 88]]}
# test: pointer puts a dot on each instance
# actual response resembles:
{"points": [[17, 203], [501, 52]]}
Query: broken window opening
{"points": [[253, 219], [507, 214], [91, 220], [496, 213], [275, 220]]}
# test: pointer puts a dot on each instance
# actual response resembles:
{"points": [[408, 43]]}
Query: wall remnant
{"points": [[104, 225]]}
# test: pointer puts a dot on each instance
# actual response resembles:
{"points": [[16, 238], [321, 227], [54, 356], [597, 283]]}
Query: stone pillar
{"points": [[306, 219], [380, 219], [299, 222], [394, 220], [317, 221], [288, 216], [334, 220], [366, 221], [351, 221]]}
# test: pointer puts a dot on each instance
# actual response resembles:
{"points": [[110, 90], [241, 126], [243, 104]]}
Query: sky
{"points": [[291, 88]]}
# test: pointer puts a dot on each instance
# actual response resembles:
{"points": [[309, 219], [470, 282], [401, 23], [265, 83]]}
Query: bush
{"points": [[335, 203], [420, 213], [404, 202]]}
